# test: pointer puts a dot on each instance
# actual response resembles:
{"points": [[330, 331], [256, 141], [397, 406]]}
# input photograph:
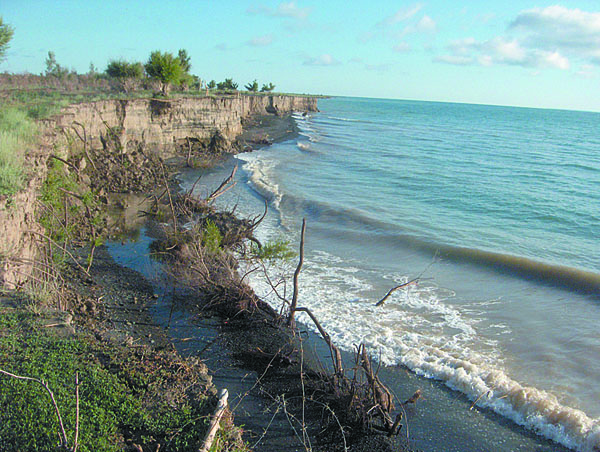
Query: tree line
{"points": [[164, 67]]}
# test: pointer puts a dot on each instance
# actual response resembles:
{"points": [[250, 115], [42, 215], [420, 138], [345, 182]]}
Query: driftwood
{"points": [[214, 423]]}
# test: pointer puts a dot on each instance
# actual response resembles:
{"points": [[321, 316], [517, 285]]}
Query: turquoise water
{"points": [[498, 207]]}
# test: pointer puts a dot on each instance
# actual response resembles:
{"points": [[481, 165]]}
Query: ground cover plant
{"points": [[145, 397]]}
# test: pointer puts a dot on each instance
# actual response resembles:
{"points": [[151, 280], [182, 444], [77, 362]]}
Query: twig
{"points": [[51, 394], [76, 412], [162, 167], [63, 249], [336, 356], [392, 290]]}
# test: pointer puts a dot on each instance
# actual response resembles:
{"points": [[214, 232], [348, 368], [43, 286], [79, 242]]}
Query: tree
{"points": [[211, 85], [165, 68], [267, 88], [252, 86], [184, 60], [53, 69], [124, 69], [227, 85], [6, 34]]}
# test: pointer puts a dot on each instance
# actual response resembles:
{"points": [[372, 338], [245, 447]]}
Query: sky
{"points": [[501, 52]]}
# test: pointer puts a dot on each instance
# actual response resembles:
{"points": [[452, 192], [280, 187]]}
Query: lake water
{"points": [[497, 209]]}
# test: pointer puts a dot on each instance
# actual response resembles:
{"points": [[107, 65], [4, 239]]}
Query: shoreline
{"points": [[260, 134]]}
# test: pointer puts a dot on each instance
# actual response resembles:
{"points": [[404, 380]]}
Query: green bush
{"points": [[274, 250], [211, 237], [124, 69]]}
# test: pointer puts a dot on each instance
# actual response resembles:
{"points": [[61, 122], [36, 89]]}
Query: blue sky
{"points": [[524, 53]]}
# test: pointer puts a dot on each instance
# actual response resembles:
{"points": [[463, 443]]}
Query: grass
{"points": [[143, 397], [17, 132]]}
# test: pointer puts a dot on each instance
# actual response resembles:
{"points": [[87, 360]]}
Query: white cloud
{"points": [[291, 10], [400, 16], [323, 60], [550, 37], [402, 47], [571, 32], [261, 41], [500, 50], [456, 60], [284, 9], [426, 24]]}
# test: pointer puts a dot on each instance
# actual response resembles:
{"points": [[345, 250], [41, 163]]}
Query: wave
{"points": [[357, 222], [260, 178], [406, 332]]}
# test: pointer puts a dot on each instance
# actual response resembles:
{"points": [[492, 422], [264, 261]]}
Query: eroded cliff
{"points": [[116, 136]]}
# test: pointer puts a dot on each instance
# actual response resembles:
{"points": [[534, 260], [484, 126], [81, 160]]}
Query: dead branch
{"points": [[391, 291], [381, 394], [69, 164], [294, 302], [226, 185], [162, 167], [255, 223], [336, 356], [76, 444], [214, 423], [62, 249], [84, 140]]}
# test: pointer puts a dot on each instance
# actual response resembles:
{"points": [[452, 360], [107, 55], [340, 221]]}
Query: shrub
{"points": [[124, 69]]}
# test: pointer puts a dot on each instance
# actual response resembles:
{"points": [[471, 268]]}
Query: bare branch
{"points": [[392, 290], [51, 394], [294, 302]]}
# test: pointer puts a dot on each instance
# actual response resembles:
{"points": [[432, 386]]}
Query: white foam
{"points": [[419, 329], [260, 176]]}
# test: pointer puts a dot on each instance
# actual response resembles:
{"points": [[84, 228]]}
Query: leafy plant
{"points": [[227, 85], [165, 68], [267, 88], [211, 237], [253, 86], [124, 69], [53, 69], [279, 249], [6, 34]]}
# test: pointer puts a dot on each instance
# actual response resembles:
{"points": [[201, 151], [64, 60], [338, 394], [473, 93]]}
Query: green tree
{"points": [[6, 34], [184, 60], [267, 88], [227, 85], [124, 69], [252, 86], [53, 69], [165, 68], [211, 85]]}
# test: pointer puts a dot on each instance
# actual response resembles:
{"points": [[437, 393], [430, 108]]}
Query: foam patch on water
{"points": [[419, 329], [260, 176]]}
